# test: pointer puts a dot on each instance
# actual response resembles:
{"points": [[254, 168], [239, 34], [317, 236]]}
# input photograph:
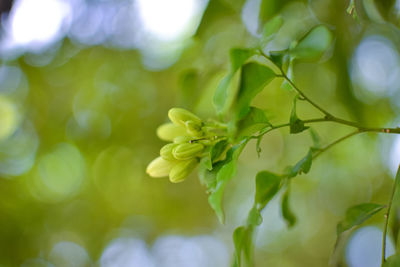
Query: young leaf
{"points": [[226, 171], [254, 218], [242, 242], [287, 213], [267, 185], [356, 215], [392, 261], [238, 57], [253, 79], [296, 125], [279, 58], [313, 44], [218, 149], [303, 166], [209, 177], [270, 28], [315, 138], [254, 121]]}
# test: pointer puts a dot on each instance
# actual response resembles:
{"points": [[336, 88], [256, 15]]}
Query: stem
{"points": [[328, 115], [322, 150], [306, 98], [387, 215]]}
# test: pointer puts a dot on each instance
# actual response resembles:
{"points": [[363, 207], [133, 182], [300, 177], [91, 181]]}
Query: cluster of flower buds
{"points": [[189, 137]]}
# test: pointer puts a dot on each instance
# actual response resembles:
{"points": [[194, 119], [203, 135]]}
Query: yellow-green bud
{"points": [[159, 167], [166, 151], [181, 170], [168, 131], [187, 151], [182, 139], [206, 142], [180, 116]]}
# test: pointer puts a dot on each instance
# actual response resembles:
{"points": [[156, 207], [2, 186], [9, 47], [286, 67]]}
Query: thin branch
{"points": [[322, 150]]}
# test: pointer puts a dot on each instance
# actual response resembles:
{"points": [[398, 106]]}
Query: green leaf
{"points": [[315, 138], [254, 121], [267, 185], [303, 166], [392, 261], [242, 240], [313, 44], [279, 58], [254, 218], [223, 176], [218, 149], [287, 213], [253, 79], [209, 177], [296, 124], [238, 57], [356, 215], [271, 28], [207, 161], [270, 8]]}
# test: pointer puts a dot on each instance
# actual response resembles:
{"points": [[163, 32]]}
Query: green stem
{"points": [[322, 150], [396, 181], [328, 115]]}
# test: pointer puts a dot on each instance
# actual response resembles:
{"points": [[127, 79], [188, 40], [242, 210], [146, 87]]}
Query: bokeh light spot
{"points": [[60, 173], [8, 117], [365, 248], [66, 254], [126, 252], [38, 22]]}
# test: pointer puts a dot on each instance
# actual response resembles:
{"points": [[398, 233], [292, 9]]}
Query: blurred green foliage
{"points": [[84, 127]]}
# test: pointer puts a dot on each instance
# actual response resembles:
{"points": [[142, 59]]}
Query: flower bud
{"points": [[166, 151], [187, 151], [181, 170], [182, 139], [159, 167], [180, 116], [168, 131]]}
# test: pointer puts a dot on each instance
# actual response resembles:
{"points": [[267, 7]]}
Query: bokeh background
{"points": [[85, 83]]}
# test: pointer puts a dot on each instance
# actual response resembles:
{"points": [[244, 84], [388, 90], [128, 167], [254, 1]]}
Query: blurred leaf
{"points": [[303, 166], [385, 7], [269, 8], [287, 213], [392, 261], [254, 121], [315, 138], [242, 239], [254, 218], [372, 11], [271, 28], [238, 57], [253, 79], [296, 124], [313, 44], [225, 173], [356, 215], [267, 185], [352, 9]]}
